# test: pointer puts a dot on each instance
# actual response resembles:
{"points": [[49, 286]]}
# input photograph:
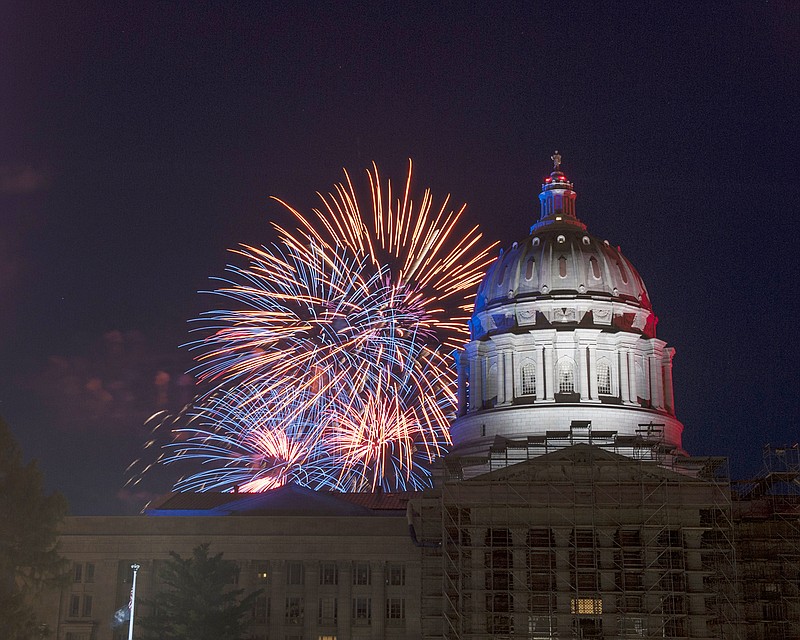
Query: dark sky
{"points": [[139, 141]]}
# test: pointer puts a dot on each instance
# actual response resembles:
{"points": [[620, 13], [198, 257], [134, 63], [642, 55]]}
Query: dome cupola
{"points": [[563, 334]]}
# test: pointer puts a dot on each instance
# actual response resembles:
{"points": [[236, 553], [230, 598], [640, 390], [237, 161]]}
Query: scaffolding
{"points": [[767, 516], [581, 542]]}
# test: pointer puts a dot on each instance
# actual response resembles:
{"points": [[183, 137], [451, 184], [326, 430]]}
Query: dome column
{"points": [[654, 359], [461, 368], [626, 344], [666, 364], [624, 376], [587, 363], [545, 345]]}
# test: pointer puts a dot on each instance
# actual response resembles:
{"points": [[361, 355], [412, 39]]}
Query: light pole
{"points": [[135, 568]]}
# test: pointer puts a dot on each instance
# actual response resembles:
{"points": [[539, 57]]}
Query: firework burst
{"points": [[332, 367]]}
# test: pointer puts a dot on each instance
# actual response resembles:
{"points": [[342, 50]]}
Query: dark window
{"points": [[87, 606], [529, 266], [77, 572], [395, 608], [74, 605], [362, 610], [396, 575], [562, 267], [328, 573], [261, 609], [362, 574], [294, 573], [294, 610], [595, 267]]}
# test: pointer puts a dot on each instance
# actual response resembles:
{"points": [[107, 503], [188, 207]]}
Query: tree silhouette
{"points": [[197, 603], [29, 522]]}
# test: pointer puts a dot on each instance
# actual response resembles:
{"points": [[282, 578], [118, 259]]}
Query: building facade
{"points": [[567, 507]]}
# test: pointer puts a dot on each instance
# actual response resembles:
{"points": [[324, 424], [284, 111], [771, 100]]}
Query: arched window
{"points": [[529, 266], [562, 266], [529, 379], [622, 272], [595, 267], [566, 376], [603, 377]]}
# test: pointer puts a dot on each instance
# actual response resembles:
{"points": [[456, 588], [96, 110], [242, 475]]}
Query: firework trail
{"points": [[332, 368]]}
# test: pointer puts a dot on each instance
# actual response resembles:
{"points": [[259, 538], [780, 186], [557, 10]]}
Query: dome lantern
{"points": [[557, 199]]}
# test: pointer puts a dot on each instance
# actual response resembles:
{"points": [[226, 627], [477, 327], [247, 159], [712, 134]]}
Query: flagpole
{"points": [[135, 568]]}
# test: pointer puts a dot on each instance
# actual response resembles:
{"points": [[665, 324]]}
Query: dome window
{"points": [[566, 376], [535, 242], [622, 272], [561, 239], [595, 267], [562, 267], [501, 279], [586, 240], [603, 378], [529, 379], [529, 267]]}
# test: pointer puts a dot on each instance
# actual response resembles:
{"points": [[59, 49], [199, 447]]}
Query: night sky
{"points": [[140, 141]]}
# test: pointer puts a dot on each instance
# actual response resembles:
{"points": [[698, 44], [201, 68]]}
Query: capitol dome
{"points": [[563, 342]]}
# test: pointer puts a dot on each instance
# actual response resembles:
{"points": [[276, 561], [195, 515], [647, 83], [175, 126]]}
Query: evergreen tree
{"points": [[197, 603], [29, 524]]}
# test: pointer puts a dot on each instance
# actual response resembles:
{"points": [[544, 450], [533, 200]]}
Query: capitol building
{"points": [[567, 506]]}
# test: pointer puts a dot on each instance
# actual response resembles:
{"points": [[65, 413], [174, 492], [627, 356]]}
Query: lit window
{"points": [[262, 572], [529, 379], [586, 606], [603, 377], [566, 377]]}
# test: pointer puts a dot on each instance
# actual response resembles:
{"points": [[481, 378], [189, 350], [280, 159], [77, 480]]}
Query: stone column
{"points": [[583, 372], [593, 394], [461, 368], [475, 383], [549, 373], [669, 394], [656, 383], [509, 377], [500, 383], [540, 374], [634, 397], [624, 376]]}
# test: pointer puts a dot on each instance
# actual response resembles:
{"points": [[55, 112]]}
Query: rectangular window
{"points": [[87, 606], [395, 608], [74, 605], [362, 574], [89, 572], [586, 606], [328, 573], [233, 578], [261, 610], [294, 573], [328, 611], [396, 575], [294, 610], [362, 611], [77, 572]]}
